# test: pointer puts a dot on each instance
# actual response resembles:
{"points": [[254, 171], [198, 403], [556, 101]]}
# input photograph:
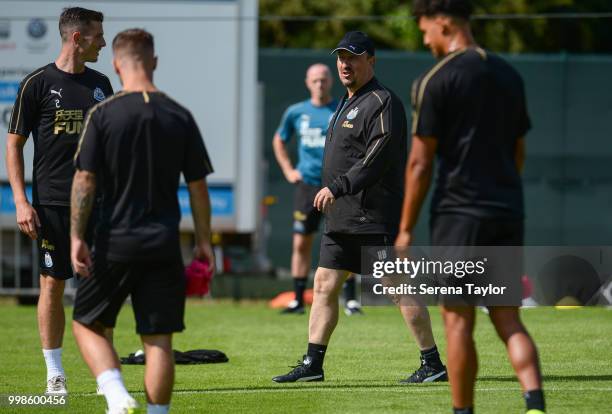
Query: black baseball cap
{"points": [[357, 43]]}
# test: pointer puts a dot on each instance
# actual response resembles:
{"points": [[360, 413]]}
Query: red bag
{"points": [[198, 274]]}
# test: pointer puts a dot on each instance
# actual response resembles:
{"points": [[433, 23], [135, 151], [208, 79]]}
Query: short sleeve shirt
{"points": [[473, 103], [138, 144], [52, 105], [309, 123]]}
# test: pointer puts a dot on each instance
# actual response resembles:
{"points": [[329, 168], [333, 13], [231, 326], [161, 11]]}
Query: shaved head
{"points": [[318, 69], [319, 83]]}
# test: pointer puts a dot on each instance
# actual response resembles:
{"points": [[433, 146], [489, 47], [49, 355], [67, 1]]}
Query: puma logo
{"points": [[57, 93]]}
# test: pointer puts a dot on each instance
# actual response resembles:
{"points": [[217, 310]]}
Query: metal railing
{"points": [[19, 267]]}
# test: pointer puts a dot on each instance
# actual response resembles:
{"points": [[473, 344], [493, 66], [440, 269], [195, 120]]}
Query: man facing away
{"points": [[134, 146], [308, 121], [470, 112], [51, 104]]}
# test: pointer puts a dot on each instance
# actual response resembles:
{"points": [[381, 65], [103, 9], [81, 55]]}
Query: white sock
{"points": [[157, 409], [53, 359], [111, 385]]}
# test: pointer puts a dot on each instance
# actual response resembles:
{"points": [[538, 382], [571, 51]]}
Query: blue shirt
{"points": [[309, 123]]}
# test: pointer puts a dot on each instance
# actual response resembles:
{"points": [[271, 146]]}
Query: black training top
{"points": [[364, 161], [137, 144], [52, 105], [473, 103]]}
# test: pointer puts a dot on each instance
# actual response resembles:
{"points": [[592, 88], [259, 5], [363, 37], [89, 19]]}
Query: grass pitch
{"points": [[366, 358]]}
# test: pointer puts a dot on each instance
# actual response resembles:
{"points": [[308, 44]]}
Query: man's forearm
{"points": [[15, 167], [281, 154], [81, 203], [418, 179], [200, 209]]}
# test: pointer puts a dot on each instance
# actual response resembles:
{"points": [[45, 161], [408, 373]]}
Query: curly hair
{"points": [[454, 8]]}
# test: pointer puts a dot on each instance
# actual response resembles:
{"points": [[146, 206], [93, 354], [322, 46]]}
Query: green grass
{"points": [[366, 358]]}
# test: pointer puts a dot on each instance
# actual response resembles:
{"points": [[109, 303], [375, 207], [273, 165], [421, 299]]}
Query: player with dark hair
{"points": [[51, 104], [134, 147], [77, 19], [470, 113], [457, 9]]}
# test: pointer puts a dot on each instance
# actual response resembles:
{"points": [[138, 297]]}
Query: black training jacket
{"points": [[365, 156]]}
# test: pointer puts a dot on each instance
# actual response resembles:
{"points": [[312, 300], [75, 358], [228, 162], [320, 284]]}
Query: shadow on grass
{"points": [[310, 386], [585, 378], [353, 384]]}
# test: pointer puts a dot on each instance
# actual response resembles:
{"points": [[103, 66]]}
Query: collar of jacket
{"points": [[367, 87]]}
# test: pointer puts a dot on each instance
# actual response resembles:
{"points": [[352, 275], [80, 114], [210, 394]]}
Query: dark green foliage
{"points": [[392, 27]]}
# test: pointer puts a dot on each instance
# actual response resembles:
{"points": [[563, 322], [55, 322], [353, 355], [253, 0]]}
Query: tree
{"points": [[391, 26]]}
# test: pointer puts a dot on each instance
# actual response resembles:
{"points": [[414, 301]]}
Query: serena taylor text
{"points": [[424, 289]]}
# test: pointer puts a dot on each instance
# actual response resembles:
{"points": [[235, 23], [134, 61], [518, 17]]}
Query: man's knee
{"points": [[328, 282], [506, 321], [51, 285], [163, 341], [96, 327], [459, 322], [302, 244]]}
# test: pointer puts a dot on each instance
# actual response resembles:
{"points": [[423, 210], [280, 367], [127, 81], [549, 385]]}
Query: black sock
{"points": [[349, 289], [299, 286], [431, 356], [468, 410], [317, 353], [534, 400]]}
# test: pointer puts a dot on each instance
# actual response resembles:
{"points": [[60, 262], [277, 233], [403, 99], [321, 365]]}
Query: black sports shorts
{"points": [[157, 290], [54, 241], [463, 230], [306, 217], [343, 251], [504, 268]]}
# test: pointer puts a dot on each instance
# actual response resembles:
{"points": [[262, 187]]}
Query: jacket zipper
{"points": [[344, 105]]}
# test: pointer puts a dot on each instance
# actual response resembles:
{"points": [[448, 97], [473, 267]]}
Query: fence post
{"points": [[564, 154]]}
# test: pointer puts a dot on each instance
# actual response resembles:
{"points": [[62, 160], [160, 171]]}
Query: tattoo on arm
{"points": [[82, 200]]}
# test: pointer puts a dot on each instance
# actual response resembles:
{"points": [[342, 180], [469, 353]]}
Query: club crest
{"points": [[98, 95], [352, 113]]}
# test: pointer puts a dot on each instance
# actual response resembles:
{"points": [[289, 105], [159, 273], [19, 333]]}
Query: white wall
{"points": [[207, 62]]}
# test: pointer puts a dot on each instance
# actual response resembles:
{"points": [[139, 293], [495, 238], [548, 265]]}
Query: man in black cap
{"points": [[363, 175]]}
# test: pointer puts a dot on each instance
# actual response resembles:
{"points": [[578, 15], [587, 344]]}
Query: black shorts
{"points": [[462, 230], [306, 217], [342, 251], [504, 266], [157, 290], [54, 241]]}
